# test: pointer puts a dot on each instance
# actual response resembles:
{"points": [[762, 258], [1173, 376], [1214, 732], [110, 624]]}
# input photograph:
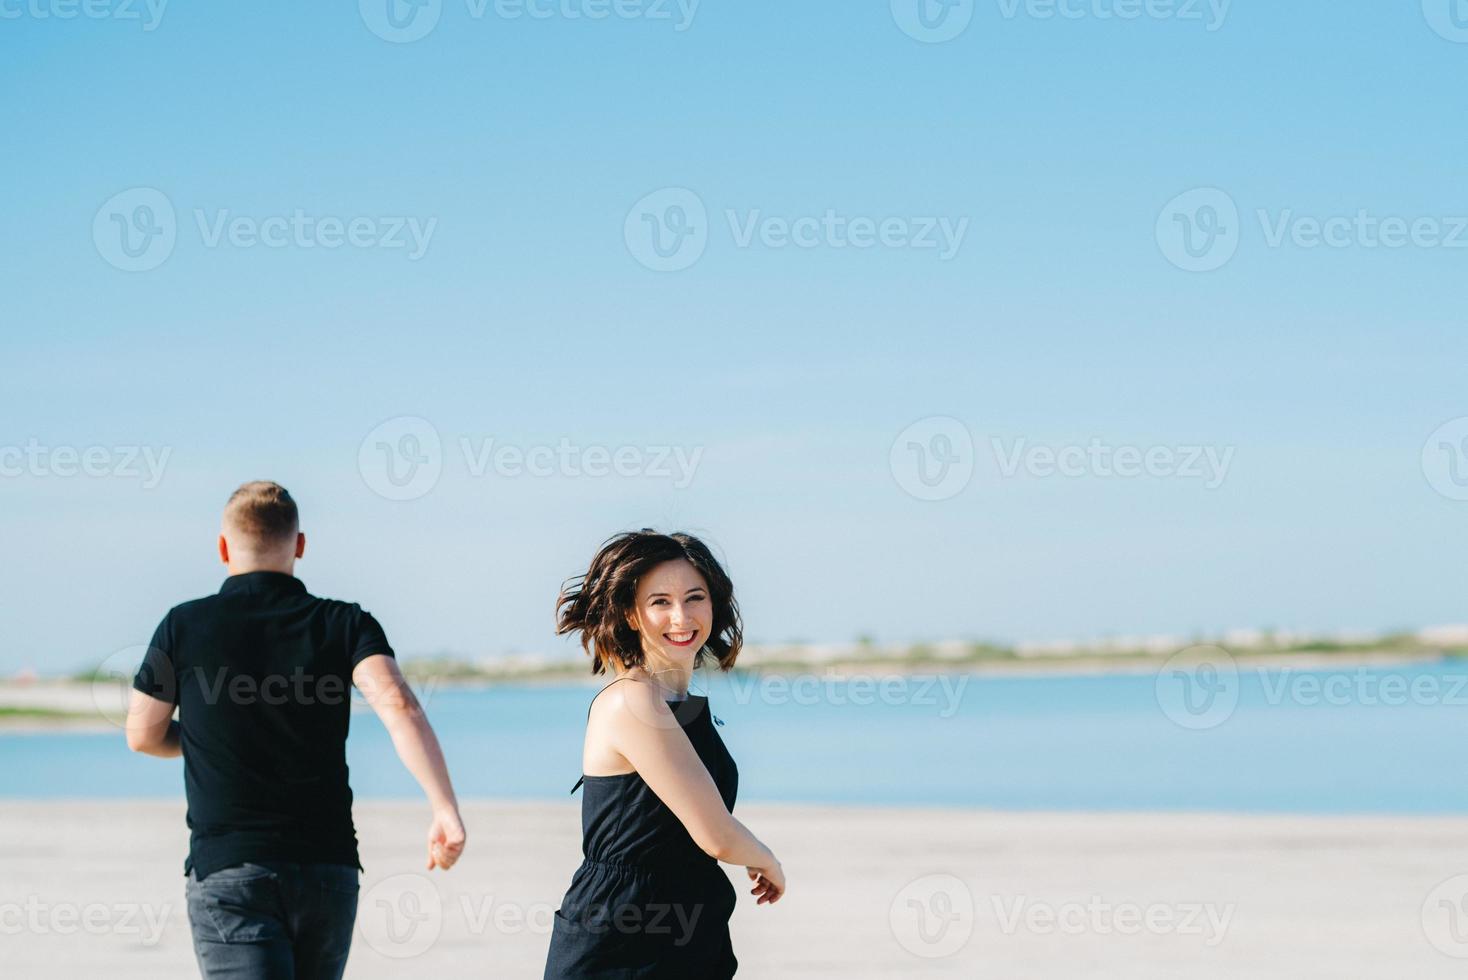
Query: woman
{"points": [[650, 900]]}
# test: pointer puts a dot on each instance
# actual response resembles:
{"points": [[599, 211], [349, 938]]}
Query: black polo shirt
{"points": [[262, 676]]}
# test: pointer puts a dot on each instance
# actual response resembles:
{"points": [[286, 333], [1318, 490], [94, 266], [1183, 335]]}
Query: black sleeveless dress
{"points": [[647, 901]]}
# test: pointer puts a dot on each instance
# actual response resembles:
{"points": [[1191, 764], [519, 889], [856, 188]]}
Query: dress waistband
{"points": [[652, 868]]}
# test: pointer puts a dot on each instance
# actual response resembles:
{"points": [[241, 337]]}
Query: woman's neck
{"points": [[671, 679]]}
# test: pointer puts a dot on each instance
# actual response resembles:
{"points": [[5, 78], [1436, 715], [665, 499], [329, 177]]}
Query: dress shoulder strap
{"points": [[582, 781], [601, 692]]}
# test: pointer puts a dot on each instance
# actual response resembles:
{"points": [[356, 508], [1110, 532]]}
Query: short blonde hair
{"points": [[264, 512]]}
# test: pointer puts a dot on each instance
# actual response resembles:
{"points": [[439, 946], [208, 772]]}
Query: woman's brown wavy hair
{"points": [[596, 604]]}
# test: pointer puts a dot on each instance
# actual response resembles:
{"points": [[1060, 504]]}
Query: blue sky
{"points": [[530, 318]]}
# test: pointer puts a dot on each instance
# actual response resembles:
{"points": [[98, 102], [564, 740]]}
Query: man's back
{"points": [[262, 676]]}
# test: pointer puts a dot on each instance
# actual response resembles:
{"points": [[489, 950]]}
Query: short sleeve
{"points": [[156, 676], [370, 639]]}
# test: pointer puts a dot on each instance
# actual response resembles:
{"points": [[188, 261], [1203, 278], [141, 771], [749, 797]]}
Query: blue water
{"points": [[1061, 742]]}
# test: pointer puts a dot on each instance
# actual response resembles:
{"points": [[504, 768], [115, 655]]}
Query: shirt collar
{"points": [[262, 582]]}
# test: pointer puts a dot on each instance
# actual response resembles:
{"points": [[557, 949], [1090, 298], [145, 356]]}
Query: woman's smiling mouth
{"points": [[682, 639]]}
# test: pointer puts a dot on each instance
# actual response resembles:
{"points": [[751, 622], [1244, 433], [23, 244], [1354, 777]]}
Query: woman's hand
{"points": [[769, 883], [445, 839]]}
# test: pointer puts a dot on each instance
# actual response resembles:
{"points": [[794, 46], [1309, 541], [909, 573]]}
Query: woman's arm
{"points": [[644, 731]]}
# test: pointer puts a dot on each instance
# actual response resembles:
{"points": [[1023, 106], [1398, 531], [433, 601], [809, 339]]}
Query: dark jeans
{"points": [[273, 921]]}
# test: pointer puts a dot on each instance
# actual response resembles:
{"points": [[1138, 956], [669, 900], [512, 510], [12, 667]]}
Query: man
{"points": [[260, 676]]}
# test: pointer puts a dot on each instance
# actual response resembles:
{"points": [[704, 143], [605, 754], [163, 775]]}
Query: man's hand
{"points": [[445, 839], [382, 684]]}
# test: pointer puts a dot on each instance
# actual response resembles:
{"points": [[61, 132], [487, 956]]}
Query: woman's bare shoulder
{"points": [[628, 696]]}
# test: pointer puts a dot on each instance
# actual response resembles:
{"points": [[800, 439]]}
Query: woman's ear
{"points": [[632, 620]]}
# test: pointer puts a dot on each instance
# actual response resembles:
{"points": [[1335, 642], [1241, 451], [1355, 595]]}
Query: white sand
{"points": [[80, 883]]}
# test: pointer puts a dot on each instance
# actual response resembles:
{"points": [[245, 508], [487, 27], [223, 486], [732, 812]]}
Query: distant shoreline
{"points": [[1032, 666], [71, 705]]}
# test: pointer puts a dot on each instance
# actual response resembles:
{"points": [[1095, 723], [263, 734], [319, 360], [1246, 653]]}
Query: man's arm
{"points": [[386, 690], [151, 728]]}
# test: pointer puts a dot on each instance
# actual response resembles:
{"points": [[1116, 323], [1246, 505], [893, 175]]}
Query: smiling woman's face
{"points": [[673, 614]]}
